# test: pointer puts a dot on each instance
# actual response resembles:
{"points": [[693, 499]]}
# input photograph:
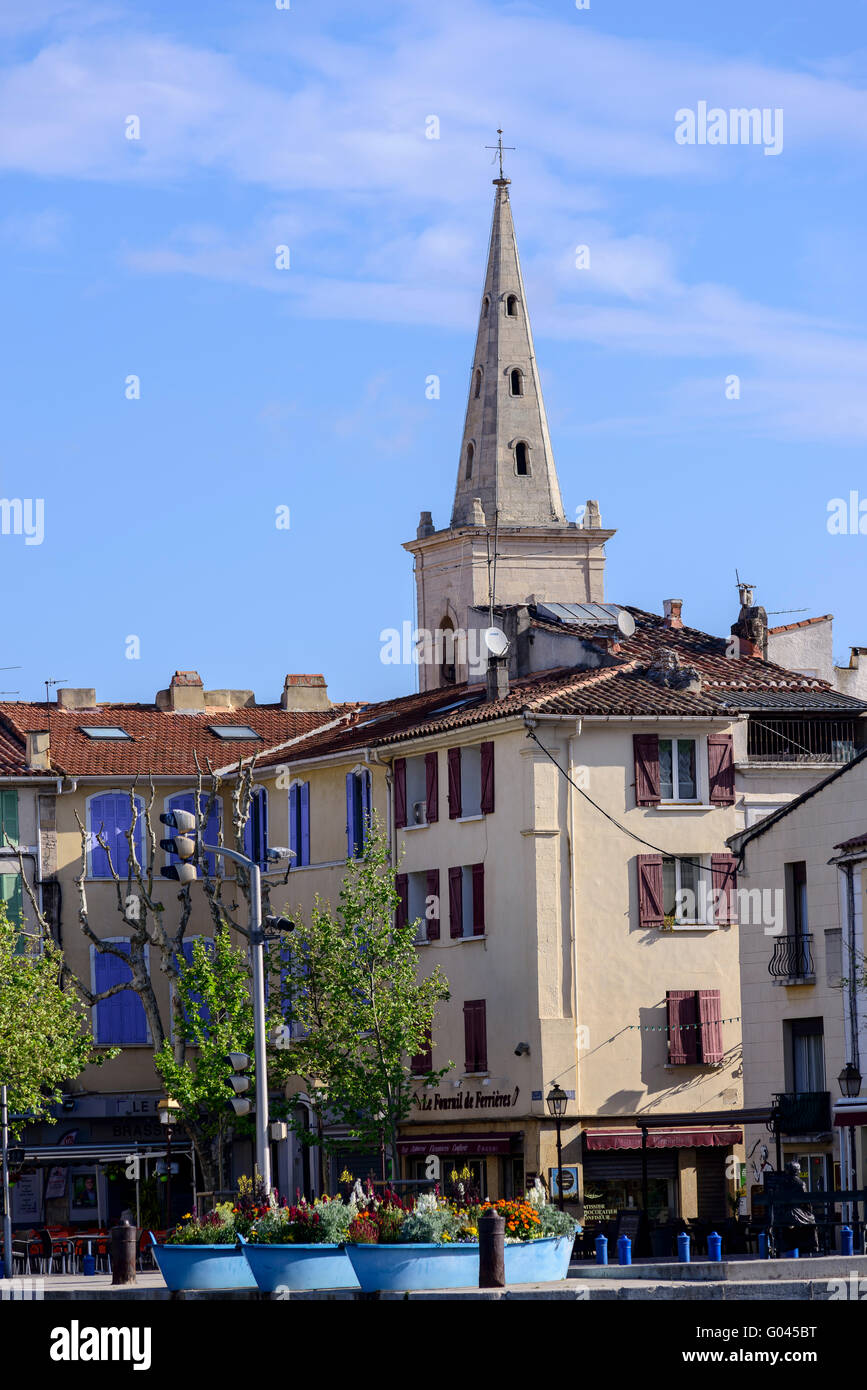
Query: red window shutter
{"points": [[475, 1036], [401, 884], [478, 900], [724, 879], [399, 793], [454, 783], [650, 907], [487, 778], [721, 769], [645, 749], [433, 891], [682, 1037], [422, 1062], [432, 792], [710, 1026], [456, 901]]}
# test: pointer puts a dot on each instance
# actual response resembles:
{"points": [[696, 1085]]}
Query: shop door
{"points": [[711, 1185]]}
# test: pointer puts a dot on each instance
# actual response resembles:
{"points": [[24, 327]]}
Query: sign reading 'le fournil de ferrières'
{"points": [[469, 1100]]}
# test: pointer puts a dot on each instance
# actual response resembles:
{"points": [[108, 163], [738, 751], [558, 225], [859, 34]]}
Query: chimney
{"points": [[425, 525], [497, 678], [304, 693], [751, 628], [185, 694], [671, 610], [229, 699], [76, 699], [38, 755]]}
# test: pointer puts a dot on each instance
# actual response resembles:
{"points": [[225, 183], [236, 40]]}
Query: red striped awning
{"points": [[718, 1138]]}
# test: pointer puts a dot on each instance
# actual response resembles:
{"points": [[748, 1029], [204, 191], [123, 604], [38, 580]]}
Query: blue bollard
{"points": [[714, 1247], [763, 1245], [847, 1241], [89, 1264], [602, 1250], [624, 1251], [683, 1248]]}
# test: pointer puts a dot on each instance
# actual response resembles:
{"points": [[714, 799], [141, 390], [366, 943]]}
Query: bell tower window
{"points": [[468, 473], [512, 306], [522, 459], [516, 381], [477, 388]]}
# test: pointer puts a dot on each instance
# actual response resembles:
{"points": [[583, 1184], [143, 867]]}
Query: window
{"points": [[687, 892], [471, 780], [522, 459], [186, 960], [256, 828], [677, 762], [468, 472], [680, 879], [358, 810], [9, 819], [416, 791], [447, 668], [12, 895], [419, 903], [512, 306], [475, 1036], [516, 382], [808, 1054], [477, 388], [121, 1019], [109, 817], [422, 1062], [186, 801], [231, 732], [105, 731], [694, 1027], [299, 824], [796, 898], [486, 304], [466, 901]]}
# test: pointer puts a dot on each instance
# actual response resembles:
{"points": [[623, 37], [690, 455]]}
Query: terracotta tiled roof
{"points": [[855, 843], [805, 622]]}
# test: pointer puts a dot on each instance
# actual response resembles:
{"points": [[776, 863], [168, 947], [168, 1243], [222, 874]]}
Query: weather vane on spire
{"points": [[499, 147]]}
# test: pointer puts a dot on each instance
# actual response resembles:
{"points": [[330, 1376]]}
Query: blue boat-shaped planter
{"points": [[398, 1267], [185, 1267], [298, 1267]]}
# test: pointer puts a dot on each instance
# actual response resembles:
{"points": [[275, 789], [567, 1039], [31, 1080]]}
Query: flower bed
{"points": [[200, 1266]]}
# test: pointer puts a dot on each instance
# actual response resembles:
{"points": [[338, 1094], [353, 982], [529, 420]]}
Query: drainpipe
{"points": [[371, 755]]}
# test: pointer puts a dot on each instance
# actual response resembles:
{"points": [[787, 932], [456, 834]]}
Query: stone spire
{"points": [[506, 458]]}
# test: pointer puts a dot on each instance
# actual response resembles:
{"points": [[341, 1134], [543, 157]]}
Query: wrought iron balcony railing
{"points": [[800, 740], [792, 958], [803, 1112]]}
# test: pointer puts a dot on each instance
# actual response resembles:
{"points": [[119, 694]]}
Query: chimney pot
{"points": [[305, 692], [671, 608], [68, 698]]}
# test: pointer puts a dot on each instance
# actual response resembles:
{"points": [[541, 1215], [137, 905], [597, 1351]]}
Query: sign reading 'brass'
{"points": [[469, 1100]]}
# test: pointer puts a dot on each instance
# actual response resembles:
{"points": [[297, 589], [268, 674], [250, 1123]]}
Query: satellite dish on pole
{"points": [[626, 623], [496, 641]]}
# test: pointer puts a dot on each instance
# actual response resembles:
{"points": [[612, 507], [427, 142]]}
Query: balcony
{"points": [[792, 960], [798, 741], [804, 1112]]}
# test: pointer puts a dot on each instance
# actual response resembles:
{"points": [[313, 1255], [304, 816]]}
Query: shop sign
{"points": [[468, 1100]]}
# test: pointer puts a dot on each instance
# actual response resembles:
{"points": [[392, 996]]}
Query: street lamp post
{"points": [[849, 1082], [7, 1209], [168, 1110], [556, 1101]]}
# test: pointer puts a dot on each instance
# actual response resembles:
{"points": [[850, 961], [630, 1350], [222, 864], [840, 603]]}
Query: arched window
{"points": [[486, 304], [447, 666], [522, 459], [512, 306], [516, 381], [477, 388], [468, 473]]}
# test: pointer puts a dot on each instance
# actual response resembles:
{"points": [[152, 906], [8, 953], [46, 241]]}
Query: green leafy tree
{"points": [[45, 1037], [359, 1010]]}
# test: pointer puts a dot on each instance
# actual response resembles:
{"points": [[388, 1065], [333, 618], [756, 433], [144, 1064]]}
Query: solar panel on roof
{"points": [[588, 614]]}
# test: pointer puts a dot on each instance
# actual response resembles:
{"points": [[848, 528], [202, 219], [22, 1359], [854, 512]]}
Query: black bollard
{"points": [[492, 1257], [123, 1253]]}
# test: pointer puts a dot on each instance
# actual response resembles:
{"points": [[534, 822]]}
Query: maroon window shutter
{"points": [[456, 902], [422, 1062], [433, 891], [650, 913], [645, 748], [432, 787], [710, 1026], [487, 778], [478, 900], [475, 1036], [680, 1004], [721, 769], [454, 783], [724, 879], [481, 1036], [399, 793], [401, 884], [469, 1036]]}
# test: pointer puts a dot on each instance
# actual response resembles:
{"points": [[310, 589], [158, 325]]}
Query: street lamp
{"points": [[556, 1100], [849, 1081], [168, 1113]]}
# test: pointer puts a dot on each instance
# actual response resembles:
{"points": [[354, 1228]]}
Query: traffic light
{"points": [[239, 1062], [183, 845]]}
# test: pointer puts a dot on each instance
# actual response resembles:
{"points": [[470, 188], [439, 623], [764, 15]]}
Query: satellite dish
{"points": [[496, 641], [625, 622]]}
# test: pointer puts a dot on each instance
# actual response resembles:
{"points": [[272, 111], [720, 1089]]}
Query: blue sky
{"points": [[306, 387]]}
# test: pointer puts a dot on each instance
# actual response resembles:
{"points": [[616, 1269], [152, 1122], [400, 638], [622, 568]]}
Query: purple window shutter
{"points": [[721, 769], [294, 824], [432, 793], [456, 901], [366, 809], [481, 1035], [102, 821], [433, 891], [650, 904], [195, 998], [304, 794], [680, 1005], [724, 879], [645, 748], [401, 884], [475, 1035], [120, 1020], [400, 793], [351, 829], [454, 783], [487, 778], [478, 900], [422, 1062], [710, 1043]]}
